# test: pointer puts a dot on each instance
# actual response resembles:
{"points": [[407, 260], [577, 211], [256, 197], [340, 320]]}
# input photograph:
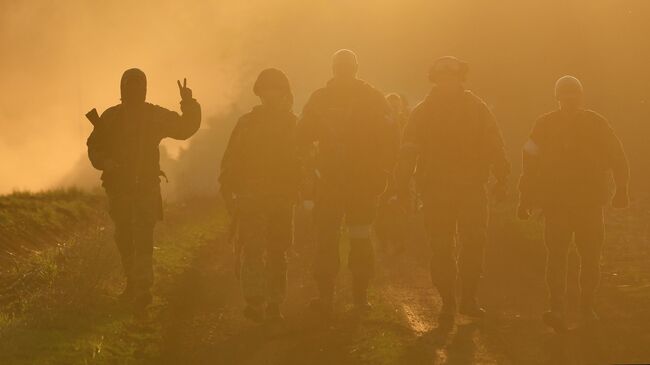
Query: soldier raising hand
{"points": [[124, 146]]}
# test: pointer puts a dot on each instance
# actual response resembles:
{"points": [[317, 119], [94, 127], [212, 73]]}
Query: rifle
{"points": [[93, 117]]}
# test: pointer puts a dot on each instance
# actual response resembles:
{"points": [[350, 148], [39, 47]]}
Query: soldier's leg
{"points": [[147, 211], [121, 212], [361, 259], [328, 214], [472, 233], [252, 238], [589, 237], [440, 221], [381, 227], [280, 238], [143, 265], [558, 232]]}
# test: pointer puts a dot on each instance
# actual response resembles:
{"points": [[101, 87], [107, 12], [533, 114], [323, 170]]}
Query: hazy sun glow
{"points": [[60, 59]]}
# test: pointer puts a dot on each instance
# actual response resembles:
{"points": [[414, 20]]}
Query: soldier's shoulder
{"points": [[370, 89], [316, 98], [475, 100], [421, 111], [155, 108], [368, 86], [547, 118], [111, 112], [246, 119], [595, 116], [419, 108], [318, 94]]}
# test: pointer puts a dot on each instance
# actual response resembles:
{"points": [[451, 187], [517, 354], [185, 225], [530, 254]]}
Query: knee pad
{"points": [[358, 231]]}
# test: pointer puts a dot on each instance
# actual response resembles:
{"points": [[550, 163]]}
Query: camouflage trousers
{"points": [[450, 218], [586, 225], [135, 216], [330, 211], [265, 234], [391, 226]]}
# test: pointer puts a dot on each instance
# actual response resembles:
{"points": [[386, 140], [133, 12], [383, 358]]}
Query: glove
{"points": [[308, 205], [524, 212], [499, 191], [621, 198], [186, 92]]}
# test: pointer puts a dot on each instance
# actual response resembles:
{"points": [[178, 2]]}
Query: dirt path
{"points": [[203, 324], [68, 313]]}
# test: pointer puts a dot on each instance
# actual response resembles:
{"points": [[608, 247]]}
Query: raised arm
{"points": [[181, 126]]}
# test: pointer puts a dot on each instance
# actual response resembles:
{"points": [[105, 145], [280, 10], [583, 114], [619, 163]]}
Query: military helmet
{"points": [[448, 65], [271, 79]]}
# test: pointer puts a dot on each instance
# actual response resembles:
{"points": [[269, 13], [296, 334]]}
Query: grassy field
{"points": [[57, 296], [58, 306], [30, 221]]}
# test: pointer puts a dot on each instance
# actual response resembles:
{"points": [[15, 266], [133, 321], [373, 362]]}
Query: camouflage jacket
{"points": [[350, 121], [261, 156], [567, 160], [124, 143], [451, 143]]}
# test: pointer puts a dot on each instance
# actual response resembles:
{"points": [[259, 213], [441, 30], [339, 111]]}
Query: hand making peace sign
{"points": [[186, 93]]}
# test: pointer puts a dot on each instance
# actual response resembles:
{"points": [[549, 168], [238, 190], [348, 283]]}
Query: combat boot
{"points": [[273, 312], [588, 316], [469, 304], [447, 311], [555, 320], [447, 292], [255, 310], [360, 295], [141, 302], [128, 294], [471, 308], [323, 305]]}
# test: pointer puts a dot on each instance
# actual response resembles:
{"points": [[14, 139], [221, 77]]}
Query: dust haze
{"points": [[61, 59]]}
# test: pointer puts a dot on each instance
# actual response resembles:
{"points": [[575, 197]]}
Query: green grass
{"points": [[57, 304], [30, 221]]}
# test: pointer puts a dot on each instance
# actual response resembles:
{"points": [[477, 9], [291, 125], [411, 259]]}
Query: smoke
{"points": [[61, 59]]}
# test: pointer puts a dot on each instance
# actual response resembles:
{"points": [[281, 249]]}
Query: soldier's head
{"points": [[133, 86], [344, 64], [274, 90], [569, 93], [448, 73]]}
